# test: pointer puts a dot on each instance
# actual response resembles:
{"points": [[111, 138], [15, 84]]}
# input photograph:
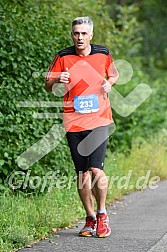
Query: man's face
{"points": [[81, 36]]}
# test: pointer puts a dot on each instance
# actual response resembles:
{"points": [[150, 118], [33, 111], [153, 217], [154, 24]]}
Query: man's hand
{"points": [[64, 77], [106, 86]]}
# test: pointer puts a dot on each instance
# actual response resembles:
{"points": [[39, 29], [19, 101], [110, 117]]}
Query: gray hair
{"points": [[83, 20]]}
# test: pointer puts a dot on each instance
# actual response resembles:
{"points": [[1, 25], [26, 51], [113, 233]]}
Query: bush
{"points": [[30, 36], [31, 33]]}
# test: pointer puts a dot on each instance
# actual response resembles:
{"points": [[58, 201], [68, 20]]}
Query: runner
{"points": [[87, 72]]}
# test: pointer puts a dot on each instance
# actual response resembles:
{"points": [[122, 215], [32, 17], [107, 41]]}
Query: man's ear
{"points": [[91, 36], [72, 36]]}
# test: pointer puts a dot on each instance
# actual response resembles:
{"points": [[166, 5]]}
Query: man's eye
{"points": [[77, 33]]}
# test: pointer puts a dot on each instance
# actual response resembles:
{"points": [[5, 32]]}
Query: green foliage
{"points": [[153, 17], [128, 33], [31, 33], [30, 37], [149, 118], [26, 218], [142, 167]]}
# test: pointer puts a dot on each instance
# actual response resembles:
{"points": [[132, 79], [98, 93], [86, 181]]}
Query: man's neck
{"points": [[83, 52]]}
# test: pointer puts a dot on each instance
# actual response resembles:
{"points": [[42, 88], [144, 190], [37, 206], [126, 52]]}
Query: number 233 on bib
{"points": [[86, 103]]}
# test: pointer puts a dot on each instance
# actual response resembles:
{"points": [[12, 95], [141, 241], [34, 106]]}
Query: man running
{"points": [[87, 72]]}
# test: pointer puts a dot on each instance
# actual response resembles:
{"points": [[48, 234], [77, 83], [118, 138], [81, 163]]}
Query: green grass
{"points": [[143, 167], [26, 218]]}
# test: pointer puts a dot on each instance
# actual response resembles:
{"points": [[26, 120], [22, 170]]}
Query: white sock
{"points": [[101, 211]]}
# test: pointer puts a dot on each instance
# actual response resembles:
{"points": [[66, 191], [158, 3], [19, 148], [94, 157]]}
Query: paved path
{"points": [[138, 223]]}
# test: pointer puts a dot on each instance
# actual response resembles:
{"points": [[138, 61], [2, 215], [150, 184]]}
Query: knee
{"points": [[100, 177], [83, 179], [83, 175], [96, 171]]}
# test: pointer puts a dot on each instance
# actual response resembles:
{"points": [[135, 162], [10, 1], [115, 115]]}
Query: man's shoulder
{"points": [[99, 49], [67, 51], [94, 49]]}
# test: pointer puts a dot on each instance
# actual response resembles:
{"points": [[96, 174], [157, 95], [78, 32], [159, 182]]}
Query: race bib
{"points": [[86, 104]]}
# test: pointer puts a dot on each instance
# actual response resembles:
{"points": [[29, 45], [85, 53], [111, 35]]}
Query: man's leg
{"points": [[100, 184], [99, 187], [100, 181], [86, 196], [96, 164], [83, 182], [85, 192]]}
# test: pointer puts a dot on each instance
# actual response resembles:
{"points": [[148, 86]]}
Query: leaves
{"points": [[31, 33], [27, 33]]}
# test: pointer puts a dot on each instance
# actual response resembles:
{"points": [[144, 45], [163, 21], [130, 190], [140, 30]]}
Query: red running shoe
{"points": [[89, 228], [103, 228]]}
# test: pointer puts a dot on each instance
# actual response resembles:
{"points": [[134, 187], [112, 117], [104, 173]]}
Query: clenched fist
{"points": [[65, 77], [106, 86]]}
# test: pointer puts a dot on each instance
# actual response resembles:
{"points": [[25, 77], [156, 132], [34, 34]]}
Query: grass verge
{"points": [[25, 218], [143, 167]]}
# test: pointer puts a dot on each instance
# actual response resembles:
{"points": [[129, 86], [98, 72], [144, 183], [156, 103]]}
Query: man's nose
{"points": [[80, 36]]}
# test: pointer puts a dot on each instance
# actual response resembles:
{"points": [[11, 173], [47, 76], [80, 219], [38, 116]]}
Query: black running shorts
{"points": [[88, 148]]}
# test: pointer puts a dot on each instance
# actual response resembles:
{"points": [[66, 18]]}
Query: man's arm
{"points": [[112, 72], [112, 80], [107, 84], [49, 84], [62, 78]]}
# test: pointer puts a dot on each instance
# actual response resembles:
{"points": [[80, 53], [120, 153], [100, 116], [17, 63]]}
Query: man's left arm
{"points": [[112, 74]]}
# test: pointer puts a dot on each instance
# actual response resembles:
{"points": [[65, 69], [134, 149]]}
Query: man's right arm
{"points": [[62, 78], [49, 84]]}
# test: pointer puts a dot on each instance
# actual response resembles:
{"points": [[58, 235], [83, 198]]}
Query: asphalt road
{"points": [[138, 223]]}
